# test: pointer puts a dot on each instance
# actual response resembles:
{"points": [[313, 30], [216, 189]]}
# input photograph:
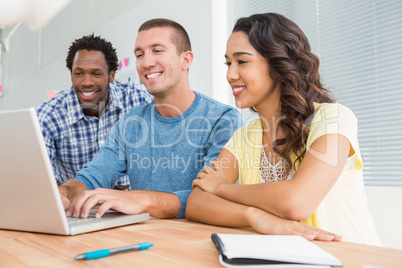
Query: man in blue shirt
{"points": [[75, 122], [162, 145]]}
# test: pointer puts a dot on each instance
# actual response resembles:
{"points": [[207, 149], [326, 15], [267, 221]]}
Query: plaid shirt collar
{"points": [[75, 112]]}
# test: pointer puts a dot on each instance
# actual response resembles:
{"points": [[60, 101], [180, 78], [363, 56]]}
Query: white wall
{"points": [[385, 206]]}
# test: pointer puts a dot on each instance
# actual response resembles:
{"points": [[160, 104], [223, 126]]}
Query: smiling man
{"points": [[162, 145], [91, 78], [75, 122]]}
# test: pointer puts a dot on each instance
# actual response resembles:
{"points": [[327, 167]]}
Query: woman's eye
{"points": [[227, 63]]}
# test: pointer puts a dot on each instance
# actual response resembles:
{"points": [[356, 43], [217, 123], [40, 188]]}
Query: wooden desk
{"points": [[177, 243]]}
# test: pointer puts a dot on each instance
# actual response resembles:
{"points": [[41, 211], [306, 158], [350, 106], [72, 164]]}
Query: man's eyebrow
{"points": [[83, 68], [158, 45], [153, 45]]}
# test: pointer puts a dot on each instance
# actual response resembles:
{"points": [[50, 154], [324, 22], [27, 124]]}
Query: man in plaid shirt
{"points": [[75, 122]]}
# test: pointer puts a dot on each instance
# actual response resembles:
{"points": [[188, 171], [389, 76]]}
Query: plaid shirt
{"points": [[72, 138]]}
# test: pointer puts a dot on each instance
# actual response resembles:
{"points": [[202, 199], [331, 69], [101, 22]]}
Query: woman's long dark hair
{"points": [[295, 69]]}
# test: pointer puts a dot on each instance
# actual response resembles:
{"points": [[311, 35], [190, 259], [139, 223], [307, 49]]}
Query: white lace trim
{"points": [[278, 172]]}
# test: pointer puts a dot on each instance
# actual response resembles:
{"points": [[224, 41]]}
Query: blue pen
{"points": [[107, 252]]}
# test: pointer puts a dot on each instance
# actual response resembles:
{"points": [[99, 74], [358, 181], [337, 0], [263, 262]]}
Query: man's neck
{"points": [[175, 103], [95, 110]]}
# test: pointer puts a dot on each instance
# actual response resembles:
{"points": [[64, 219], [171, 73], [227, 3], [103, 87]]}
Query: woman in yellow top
{"points": [[300, 160]]}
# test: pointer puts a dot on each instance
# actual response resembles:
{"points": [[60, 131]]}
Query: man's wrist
{"points": [[63, 191], [72, 188], [157, 204], [143, 198]]}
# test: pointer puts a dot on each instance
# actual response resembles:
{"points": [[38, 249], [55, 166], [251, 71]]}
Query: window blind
{"points": [[359, 45]]}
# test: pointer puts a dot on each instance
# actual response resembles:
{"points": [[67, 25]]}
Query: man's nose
{"points": [[87, 81], [148, 60]]}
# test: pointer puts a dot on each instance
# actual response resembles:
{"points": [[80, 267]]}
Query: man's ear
{"points": [[188, 57], [111, 76]]}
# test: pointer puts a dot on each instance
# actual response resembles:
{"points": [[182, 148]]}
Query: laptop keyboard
{"points": [[75, 220], [91, 217]]}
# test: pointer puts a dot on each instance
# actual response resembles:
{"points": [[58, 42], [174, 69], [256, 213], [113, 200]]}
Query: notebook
{"points": [[29, 197], [238, 250]]}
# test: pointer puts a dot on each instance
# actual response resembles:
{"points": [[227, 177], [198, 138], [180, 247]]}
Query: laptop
{"points": [[29, 197]]}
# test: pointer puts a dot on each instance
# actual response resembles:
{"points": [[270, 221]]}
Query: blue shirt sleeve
{"points": [[222, 131], [108, 165], [182, 195]]}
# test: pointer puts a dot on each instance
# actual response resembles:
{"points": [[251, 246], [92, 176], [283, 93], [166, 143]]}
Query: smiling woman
{"points": [[363, 75], [303, 149], [246, 62]]}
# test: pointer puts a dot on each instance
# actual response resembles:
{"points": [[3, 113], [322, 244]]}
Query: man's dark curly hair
{"points": [[295, 69], [91, 42]]}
